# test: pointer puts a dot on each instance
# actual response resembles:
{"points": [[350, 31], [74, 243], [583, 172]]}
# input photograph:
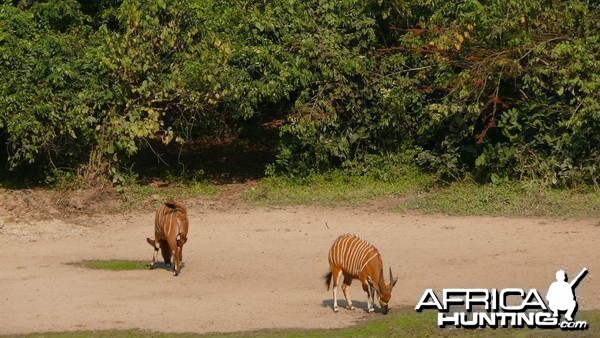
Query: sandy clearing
{"points": [[257, 268]]}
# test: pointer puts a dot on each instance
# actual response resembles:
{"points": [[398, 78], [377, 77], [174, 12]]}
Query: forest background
{"points": [[493, 91]]}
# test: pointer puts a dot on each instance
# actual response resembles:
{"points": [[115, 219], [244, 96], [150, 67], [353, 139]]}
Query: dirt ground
{"points": [[250, 268]]}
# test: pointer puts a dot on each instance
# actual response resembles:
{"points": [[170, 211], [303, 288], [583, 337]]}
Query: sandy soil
{"points": [[255, 268]]}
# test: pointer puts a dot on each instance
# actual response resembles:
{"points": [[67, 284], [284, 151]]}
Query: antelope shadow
{"points": [[358, 305], [161, 265]]}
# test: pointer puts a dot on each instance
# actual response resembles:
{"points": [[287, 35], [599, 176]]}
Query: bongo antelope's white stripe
{"points": [[351, 253], [170, 227]]}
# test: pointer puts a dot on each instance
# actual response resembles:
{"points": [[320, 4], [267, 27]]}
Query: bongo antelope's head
{"points": [[384, 291]]}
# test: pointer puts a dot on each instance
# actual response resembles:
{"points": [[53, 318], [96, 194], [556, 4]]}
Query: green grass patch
{"points": [[516, 199], [114, 265], [336, 188], [397, 324], [417, 192], [134, 195]]}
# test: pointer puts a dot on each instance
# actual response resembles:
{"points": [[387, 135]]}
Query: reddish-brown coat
{"points": [[170, 233], [354, 258]]}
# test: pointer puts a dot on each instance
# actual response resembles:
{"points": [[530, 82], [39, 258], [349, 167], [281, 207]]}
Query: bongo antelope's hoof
{"points": [[151, 267], [350, 307], [335, 309], [371, 310]]}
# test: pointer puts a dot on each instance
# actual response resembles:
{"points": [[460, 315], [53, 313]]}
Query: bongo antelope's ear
{"points": [[151, 242]]}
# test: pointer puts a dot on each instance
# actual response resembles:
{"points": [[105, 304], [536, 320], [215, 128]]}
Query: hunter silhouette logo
{"points": [[561, 295], [511, 307]]}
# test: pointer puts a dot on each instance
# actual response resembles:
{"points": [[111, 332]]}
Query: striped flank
{"points": [[169, 219], [351, 253]]}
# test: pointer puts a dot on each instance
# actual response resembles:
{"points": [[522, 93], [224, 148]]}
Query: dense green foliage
{"points": [[498, 89]]}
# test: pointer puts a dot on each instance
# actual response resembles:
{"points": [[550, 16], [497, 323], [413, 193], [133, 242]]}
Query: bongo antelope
{"points": [[355, 258], [170, 233]]}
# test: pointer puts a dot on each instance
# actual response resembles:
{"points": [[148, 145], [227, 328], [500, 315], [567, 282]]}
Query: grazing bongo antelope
{"points": [[355, 258], [170, 233]]}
